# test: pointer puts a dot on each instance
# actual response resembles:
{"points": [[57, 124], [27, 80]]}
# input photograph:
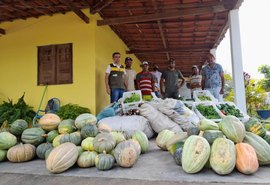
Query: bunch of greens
{"points": [[227, 109], [10, 112], [208, 111], [204, 98], [71, 111], [133, 98]]}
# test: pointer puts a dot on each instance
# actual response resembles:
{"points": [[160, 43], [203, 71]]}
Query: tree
{"points": [[265, 70]]}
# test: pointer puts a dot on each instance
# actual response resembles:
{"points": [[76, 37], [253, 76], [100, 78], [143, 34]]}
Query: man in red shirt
{"points": [[145, 82]]}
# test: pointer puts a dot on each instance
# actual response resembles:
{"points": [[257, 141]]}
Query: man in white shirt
{"points": [[130, 76], [157, 76]]}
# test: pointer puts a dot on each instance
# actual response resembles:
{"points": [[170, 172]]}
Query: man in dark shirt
{"points": [[170, 79]]}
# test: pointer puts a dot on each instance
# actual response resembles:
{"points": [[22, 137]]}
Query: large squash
{"points": [[233, 128], [163, 137], [85, 119], [88, 144], [89, 131], [51, 135], [118, 136], [253, 125], [211, 135], [66, 126], [74, 137], [104, 142], [246, 158], [33, 136], [49, 121], [42, 148], [195, 154], [142, 139], [262, 148], [7, 140], [223, 156], [62, 158], [104, 161], [18, 126], [87, 159], [21, 153]]}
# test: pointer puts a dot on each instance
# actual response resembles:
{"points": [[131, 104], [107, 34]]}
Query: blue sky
{"points": [[255, 40]]}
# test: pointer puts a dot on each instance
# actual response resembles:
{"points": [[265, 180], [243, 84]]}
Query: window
{"points": [[55, 64]]}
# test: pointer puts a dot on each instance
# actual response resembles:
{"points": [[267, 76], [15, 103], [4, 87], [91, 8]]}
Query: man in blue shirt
{"points": [[213, 78]]}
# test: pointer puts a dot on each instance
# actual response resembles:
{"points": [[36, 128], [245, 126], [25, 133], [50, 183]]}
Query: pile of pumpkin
{"points": [[221, 146], [67, 142]]}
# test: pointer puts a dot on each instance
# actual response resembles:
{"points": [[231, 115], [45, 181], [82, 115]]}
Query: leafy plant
{"points": [[71, 111], [265, 70], [10, 112]]}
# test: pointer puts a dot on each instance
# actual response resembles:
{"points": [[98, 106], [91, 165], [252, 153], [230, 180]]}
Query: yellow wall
{"points": [[92, 49]]}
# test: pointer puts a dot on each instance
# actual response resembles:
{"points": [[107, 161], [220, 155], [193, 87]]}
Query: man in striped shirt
{"points": [[145, 81]]}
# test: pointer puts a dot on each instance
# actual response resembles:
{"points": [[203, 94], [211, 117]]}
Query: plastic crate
{"points": [[198, 93], [244, 118], [188, 104], [209, 103], [133, 105]]}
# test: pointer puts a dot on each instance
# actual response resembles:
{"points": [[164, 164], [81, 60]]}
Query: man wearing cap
{"points": [[157, 76], [195, 79], [130, 76], [169, 80], [213, 78], [114, 78], [145, 82]]}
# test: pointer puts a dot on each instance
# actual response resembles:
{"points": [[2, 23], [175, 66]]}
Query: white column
{"points": [[214, 52], [237, 65]]}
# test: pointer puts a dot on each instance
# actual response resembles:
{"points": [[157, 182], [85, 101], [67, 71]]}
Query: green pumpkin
{"points": [[18, 126], [51, 135], [89, 131], [104, 161], [267, 137], [177, 156], [84, 119], [87, 159], [66, 126], [74, 137], [88, 144], [163, 137], [211, 135], [3, 155], [253, 125], [42, 148], [118, 136], [104, 142], [7, 140], [47, 153], [33, 136], [142, 139], [172, 148], [56, 140]]}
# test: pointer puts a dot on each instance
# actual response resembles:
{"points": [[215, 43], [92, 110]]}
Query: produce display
{"points": [[227, 109], [133, 98], [208, 111], [204, 98]]}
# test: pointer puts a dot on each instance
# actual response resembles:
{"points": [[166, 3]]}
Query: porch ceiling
{"points": [[153, 30]]}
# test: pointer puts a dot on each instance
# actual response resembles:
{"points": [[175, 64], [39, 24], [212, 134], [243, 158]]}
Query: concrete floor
{"points": [[155, 167]]}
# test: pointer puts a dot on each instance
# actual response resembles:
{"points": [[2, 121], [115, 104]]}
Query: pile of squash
{"points": [[221, 146], [63, 143]]}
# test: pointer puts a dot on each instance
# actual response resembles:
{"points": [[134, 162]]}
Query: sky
{"points": [[255, 40]]}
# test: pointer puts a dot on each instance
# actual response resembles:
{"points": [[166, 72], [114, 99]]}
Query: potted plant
{"points": [[263, 110]]}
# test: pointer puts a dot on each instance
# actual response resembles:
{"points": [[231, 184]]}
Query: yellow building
{"points": [[92, 52]]}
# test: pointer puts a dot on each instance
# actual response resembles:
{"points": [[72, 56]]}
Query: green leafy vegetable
{"points": [[204, 98], [133, 98], [208, 111], [227, 109], [71, 111]]}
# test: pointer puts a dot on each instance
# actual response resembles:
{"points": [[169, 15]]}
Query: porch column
{"points": [[237, 65]]}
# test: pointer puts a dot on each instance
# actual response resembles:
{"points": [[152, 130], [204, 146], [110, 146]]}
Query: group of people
{"points": [[119, 79]]}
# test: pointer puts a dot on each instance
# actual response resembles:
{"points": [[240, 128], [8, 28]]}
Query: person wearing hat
{"points": [[145, 82], [130, 76], [157, 76], [170, 80], [195, 79], [114, 78]]}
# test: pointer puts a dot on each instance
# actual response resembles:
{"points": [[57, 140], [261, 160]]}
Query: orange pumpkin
{"points": [[246, 158]]}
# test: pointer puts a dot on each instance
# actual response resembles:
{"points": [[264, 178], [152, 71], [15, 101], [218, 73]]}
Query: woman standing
{"points": [[195, 79]]}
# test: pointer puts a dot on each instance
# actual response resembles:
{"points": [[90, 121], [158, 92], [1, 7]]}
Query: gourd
{"points": [[33, 136], [104, 142], [49, 121], [84, 119], [87, 159], [104, 161], [66, 126], [7, 140], [21, 153], [253, 125], [42, 148], [18, 126], [142, 139], [163, 137]]}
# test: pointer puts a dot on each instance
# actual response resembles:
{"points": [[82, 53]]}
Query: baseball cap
{"points": [[145, 63], [128, 59], [172, 60], [194, 66]]}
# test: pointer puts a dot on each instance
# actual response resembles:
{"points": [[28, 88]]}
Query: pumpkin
{"points": [[136, 146], [88, 144], [163, 137], [253, 125], [178, 137], [42, 148], [33, 136], [87, 159], [262, 148], [56, 140], [125, 154], [246, 158], [89, 131], [118, 136], [18, 126], [7, 140], [141, 137], [47, 153], [51, 135], [21, 153], [193, 131], [196, 152], [84, 119], [266, 137], [233, 128], [177, 156], [74, 137], [104, 161], [223, 156], [211, 135], [103, 127], [62, 158], [80, 150], [66, 126], [172, 148], [104, 142], [3, 155], [207, 124], [49, 121]]}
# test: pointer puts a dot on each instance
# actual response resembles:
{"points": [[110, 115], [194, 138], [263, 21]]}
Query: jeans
{"points": [[215, 92], [116, 94]]}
